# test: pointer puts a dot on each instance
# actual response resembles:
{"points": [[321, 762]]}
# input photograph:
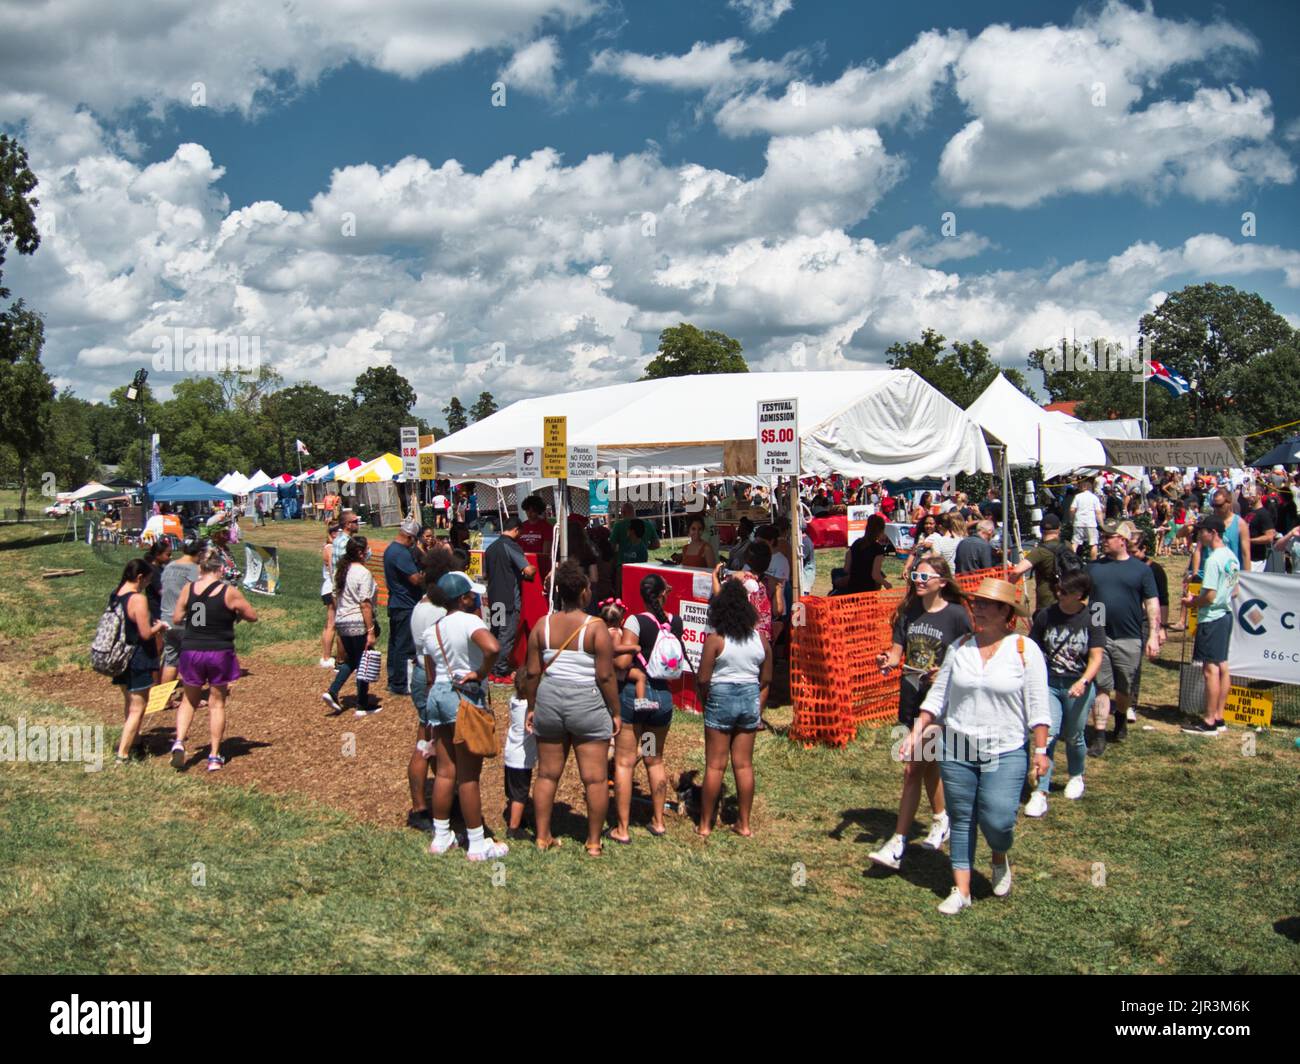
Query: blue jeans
{"points": [[1069, 715], [419, 688], [983, 793], [401, 648], [353, 647], [656, 691], [732, 707]]}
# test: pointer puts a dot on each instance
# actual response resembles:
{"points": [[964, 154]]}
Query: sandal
{"points": [[215, 761], [596, 851], [549, 844], [614, 838], [657, 834]]}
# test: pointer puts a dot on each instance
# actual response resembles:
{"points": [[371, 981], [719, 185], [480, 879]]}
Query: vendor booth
{"points": [[874, 424]]}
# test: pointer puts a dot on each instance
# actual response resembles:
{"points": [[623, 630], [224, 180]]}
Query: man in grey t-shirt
{"points": [[176, 575], [974, 552]]}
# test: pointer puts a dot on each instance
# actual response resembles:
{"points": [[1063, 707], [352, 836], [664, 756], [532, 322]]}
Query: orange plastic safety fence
{"points": [[375, 563], [834, 681]]}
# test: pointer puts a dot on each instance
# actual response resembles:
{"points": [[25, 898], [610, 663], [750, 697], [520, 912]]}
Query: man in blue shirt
{"points": [[1214, 623], [405, 584]]}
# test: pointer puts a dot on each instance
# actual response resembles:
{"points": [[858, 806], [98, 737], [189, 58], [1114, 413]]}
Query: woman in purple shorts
{"points": [[208, 608]]}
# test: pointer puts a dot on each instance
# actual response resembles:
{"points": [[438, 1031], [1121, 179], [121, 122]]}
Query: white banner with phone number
{"points": [[1265, 637], [695, 626]]}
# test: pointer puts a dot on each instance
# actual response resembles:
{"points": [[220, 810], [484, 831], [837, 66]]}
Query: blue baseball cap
{"points": [[453, 585]]}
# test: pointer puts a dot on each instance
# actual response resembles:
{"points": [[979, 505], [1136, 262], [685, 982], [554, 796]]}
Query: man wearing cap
{"points": [[1042, 560], [1123, 588], [405, 584], [1213, 624]]}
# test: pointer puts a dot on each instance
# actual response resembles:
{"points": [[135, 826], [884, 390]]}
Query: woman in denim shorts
{"points": [[733, 680], [141, 633], [459, 652]]}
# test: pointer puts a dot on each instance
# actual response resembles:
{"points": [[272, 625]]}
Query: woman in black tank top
{"points": [[208, 608]]}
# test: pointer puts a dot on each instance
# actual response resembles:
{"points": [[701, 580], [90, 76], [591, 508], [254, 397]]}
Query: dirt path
{"points": [[280, 737]]}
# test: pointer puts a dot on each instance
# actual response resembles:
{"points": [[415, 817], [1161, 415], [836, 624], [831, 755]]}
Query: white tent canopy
{"points": [[86, 489], [258, 480], [877, 424], [235, 483], [1032, 434]]}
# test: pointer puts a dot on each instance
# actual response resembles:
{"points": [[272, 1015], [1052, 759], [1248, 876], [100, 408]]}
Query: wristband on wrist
{"points": [[1041, 750]]}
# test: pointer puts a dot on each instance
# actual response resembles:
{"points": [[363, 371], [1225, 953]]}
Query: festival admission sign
{"points": [[410, 438], [777, 437], [695, 626]]}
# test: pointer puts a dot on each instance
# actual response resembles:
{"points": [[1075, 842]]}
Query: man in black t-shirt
{"points": [[505, 568], [1123, 588], [1263, 530]]}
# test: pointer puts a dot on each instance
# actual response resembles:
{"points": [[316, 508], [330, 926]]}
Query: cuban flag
{"points": [[302, 447], [1162, 374]]}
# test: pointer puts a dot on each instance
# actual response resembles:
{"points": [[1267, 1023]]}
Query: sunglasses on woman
{"points": [[923, 578]]}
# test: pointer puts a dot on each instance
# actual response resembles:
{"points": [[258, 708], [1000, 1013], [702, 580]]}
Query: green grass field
{"points": [[1181, 858]]}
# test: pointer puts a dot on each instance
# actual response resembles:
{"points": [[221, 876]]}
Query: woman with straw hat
{"points": [[989, 695]]}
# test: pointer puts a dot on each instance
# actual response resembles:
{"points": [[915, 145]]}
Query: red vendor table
{"points": [[829, 531], [688, 597], [532, 604]]}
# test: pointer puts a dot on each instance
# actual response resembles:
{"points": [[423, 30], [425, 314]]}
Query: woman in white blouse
{"points": [[989, 695]]}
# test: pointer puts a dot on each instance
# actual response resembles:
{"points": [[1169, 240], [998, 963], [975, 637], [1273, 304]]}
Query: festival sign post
{"points": [[777, 439], [410, 441], [555, 466]]}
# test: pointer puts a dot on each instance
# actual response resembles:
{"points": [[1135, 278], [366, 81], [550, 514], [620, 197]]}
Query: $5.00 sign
{"points": [[778, 437]]}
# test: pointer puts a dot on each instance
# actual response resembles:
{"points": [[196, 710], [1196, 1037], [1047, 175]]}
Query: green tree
{"points": [[1203, 331], [455, 415], [685, 351], [69, 453], [381, 404], [309, 413], [17, 204], [485, 406], [962, 374], [1266, 392], [26, 393]]}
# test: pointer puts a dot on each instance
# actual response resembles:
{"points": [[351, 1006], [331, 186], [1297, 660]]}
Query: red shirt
{"points": [[535, 538], [837, 496]]}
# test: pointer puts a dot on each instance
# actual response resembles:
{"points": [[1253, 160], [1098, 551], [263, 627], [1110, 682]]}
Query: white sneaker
{"points": [[954, 903], [368, 712], [490, 851], [329, 700], [1002, 879], [890, 855], [450, 844], [1132, 715], [940, 829], [327, 663], [1074, 789], [1037, 804]]}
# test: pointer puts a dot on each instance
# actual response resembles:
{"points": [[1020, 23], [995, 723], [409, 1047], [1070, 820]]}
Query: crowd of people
{"points": [[983, 699]]}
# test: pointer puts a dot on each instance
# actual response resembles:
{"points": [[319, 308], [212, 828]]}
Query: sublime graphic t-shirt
{"points": [[1065, 639], [925, 637]]}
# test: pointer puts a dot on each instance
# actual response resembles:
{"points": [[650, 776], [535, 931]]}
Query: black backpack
{"points": [[1065, 559]]}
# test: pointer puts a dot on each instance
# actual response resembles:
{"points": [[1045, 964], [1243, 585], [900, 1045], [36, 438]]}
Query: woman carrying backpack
{"points": [[733, 680], [208, 608], [141, 634], [645, 731]]}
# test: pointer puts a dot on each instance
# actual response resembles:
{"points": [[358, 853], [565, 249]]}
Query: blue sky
{"points": [[792, 205]]}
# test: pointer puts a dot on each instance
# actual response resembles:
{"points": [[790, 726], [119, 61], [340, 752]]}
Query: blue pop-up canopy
{"points": [[186, 489]]}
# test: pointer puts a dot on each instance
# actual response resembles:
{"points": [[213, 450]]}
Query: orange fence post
{"points": [[835, 684]]}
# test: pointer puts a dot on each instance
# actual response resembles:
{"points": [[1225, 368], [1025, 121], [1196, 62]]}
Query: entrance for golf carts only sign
{"points": [[778, 437]]}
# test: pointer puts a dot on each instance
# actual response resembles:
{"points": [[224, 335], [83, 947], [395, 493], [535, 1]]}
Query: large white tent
{"points": [[235, 483], [1032, 434], [877, 424]]}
